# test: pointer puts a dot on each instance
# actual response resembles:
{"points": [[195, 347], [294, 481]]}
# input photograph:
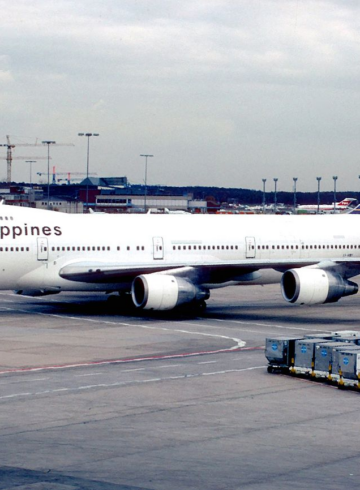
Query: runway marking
{"points": [[256, 324], [125, 361], [22, 381], [163, 367], [89, 374], [126, 383], [131, 370], [239, 344]]}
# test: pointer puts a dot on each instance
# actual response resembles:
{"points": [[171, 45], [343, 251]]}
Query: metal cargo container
{"points": [[305, 352], [320, 336], [353, 339], [349, 363], [347, 333], [280, 351], [336, 352], [324, 355]]}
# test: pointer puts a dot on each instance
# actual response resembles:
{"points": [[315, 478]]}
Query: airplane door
{"points": [[158, 248], [42, 248], [250, 247]]}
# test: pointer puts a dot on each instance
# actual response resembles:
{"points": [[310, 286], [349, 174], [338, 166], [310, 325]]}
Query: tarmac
{"points": [[94, 399]]}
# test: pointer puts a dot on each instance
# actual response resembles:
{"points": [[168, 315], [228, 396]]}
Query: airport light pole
{"points": [[295, 180], [31, 162], [264, 195], [88, 135], [48, 143], [335, 179], [318, 194], [145, 193], [275, 197]]}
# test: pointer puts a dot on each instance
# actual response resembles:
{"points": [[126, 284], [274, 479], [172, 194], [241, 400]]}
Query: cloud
{"points": [[275, 81]]}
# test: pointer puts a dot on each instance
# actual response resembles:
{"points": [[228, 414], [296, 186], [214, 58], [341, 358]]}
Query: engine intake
{"points": [[164, 292], [315, 286]]}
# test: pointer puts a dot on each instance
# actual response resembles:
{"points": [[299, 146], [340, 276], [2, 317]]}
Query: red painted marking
{"points": [[123, 361]]}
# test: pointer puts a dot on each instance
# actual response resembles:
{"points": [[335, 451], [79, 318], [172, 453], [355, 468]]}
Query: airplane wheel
{"points": [[199, 306], [202, 305], [121, 303]]}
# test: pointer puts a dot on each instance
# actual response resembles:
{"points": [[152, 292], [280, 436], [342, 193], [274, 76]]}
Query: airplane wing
{"points": [[108, 273]]}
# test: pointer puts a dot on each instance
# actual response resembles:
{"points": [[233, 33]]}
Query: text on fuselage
{"points": [[26, 230]]}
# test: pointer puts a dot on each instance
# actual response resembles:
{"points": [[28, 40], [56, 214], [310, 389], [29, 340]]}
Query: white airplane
{"points": [[171, 260], [343, 205]]}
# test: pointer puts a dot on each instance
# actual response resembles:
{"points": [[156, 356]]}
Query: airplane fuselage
{"points": [[53, 252]]}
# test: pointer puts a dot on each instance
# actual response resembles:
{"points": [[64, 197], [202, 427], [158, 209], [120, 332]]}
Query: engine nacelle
{"points": [[315, 286], [164, 292]]}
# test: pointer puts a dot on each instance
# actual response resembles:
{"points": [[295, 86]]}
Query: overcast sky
{"points": [[221, 92]]}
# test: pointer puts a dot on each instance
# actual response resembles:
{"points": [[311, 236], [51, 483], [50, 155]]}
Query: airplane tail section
{"points": [[347, 202]]}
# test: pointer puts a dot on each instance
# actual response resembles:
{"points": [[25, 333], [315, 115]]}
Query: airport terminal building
{"points": [[110, 195]]}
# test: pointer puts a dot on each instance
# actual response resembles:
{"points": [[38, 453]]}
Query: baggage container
{"points": [[349, 363], [323, 359], [279, 351], [346, 333], [351, 339], [320, 336], [336, 352], [305, 352]]}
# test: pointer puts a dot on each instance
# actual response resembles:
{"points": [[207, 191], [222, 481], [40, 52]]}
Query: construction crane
{"points": [[9, 158], [68, 175]]}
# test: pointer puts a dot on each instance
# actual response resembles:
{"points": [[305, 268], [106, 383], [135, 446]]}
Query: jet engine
{"points": [[315, 286], [165, 292]]}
